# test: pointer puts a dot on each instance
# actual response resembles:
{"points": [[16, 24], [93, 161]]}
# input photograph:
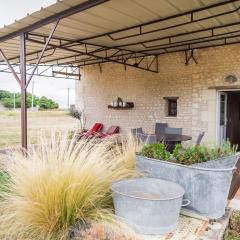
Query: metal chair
{"points": [[199, 138], [147, 138], [136, 131], [169, 130], [160, 128]]}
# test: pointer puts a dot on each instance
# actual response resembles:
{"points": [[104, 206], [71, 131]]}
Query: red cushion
{"points": [[96, 127], [112, 130]]}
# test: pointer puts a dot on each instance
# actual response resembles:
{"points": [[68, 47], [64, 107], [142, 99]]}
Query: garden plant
{"points": [[189, 155], [63, 185]]}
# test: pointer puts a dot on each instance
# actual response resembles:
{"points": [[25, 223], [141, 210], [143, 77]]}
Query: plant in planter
{"points": [[156, 151], [204, 172], [190, 155]]}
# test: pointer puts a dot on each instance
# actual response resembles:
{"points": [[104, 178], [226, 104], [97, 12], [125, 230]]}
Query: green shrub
{"points": [[5, 94], [45, 103], [233, 231], [8, 101], [156, 151], [198, 154], [190, 155], [231, 235], [234, 223]]}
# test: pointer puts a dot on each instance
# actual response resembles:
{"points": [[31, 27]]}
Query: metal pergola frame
{"points": [[84, 52], [23, 81]]}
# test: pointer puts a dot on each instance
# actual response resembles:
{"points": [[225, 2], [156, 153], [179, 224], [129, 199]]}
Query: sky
{"points": [[54, 88]]}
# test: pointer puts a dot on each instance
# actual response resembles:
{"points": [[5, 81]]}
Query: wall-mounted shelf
{"points": [[129, 105]]}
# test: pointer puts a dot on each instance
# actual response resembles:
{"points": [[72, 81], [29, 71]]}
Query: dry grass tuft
{"points": [[125, 149], [60, 184]]}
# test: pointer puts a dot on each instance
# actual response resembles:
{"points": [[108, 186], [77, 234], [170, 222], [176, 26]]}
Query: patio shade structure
{"points": [[58, 40]]}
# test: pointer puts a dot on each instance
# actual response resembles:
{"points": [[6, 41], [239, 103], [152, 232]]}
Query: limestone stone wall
{"points": [[197, 105]]}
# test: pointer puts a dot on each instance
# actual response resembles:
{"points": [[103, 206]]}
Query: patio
{"points": [[137, 65], [169, 64]]}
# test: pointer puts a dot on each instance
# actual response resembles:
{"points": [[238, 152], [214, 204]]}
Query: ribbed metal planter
{"points": [[148, 205], [206, 184]]}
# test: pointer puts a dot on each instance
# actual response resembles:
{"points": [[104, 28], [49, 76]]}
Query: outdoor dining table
{"points": [[166, 137], [172, 139]]}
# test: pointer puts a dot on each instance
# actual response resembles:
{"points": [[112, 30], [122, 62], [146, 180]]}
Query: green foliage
{"points": [[5, 94], [7, 102], [193, 155], [198, 154], [156, 151], [233, 232], [227, 149], [234, 223], [4, 180], [190, 155], [176, 150], [231, 235], [45, 103], [7, 99]]}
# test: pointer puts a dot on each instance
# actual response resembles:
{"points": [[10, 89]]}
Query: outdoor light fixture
{"points": [[231, 78]]}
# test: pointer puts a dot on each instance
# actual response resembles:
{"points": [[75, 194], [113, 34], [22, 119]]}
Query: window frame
{"points": [[170, 102]]}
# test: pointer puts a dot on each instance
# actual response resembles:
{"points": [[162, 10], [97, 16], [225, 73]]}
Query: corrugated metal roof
{"points": [[125, 27]]}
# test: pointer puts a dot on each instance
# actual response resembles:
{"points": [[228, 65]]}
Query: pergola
{"points": [[60, 39]]}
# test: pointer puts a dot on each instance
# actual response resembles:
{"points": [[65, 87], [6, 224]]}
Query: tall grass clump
{"points": [[124, 149], [60, 184]]}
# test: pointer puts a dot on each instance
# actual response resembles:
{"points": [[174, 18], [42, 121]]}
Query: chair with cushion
{"points": [[111, 131], [160, 128], [96, 128], [199, 138]]}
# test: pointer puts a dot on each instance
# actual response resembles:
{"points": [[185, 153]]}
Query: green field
{"points": [[47, 121]]}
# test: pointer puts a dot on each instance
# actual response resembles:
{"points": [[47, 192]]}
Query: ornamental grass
{"points": [[61, 184]]}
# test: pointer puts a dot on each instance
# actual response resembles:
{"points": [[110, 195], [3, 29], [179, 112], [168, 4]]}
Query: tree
{"points": [[45, 103], [5, 94], [8, 102]]}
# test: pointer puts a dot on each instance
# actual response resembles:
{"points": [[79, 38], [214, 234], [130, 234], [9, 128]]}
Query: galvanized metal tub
{"points": [[148, 205], [221, 163], [206, 184]]}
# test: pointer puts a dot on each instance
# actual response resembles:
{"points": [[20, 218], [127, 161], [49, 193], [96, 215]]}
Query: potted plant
{"points": [[204, 172]]}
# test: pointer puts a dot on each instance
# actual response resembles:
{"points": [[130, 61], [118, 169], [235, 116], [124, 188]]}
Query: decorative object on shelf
{"points": [[231, 78], [120, 104]]}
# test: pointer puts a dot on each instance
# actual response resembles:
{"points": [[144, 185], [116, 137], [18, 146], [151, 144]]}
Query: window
{"points": [[171, 106], [222, 109]]}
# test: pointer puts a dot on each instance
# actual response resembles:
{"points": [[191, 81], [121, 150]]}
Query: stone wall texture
{"points": [[197, 104]]}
